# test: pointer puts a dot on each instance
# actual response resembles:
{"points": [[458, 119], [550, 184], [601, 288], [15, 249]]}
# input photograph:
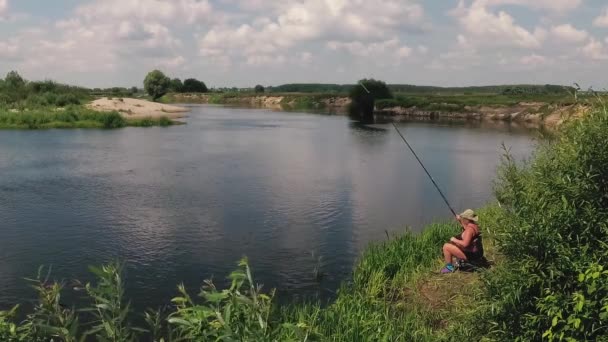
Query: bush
{"points": [[364, 95], [113, 120], [554, 234], [192, 85]]}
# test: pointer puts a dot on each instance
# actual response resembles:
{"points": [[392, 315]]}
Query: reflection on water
{"points": [[185, 203]]}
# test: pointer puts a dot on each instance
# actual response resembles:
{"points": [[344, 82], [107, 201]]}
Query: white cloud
{"points": [[602, 20], [292, 23], [146, 10], [533, 60], [550, 5], [568, 33], [172, 62], [595, 50], [485, 28], [388, 47], [3, 10], [8, 50]]}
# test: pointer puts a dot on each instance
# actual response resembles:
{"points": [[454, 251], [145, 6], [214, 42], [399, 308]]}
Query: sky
{"points": [[102, 43]]}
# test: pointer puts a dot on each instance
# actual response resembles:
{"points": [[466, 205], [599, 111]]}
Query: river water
{"points": [[185, 203]]}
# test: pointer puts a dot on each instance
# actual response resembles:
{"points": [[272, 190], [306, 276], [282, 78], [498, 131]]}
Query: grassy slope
{"points": [[398, 295]]}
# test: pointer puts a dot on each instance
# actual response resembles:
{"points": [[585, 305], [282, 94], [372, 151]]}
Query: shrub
{"points": [[363, 103], [164, 121], [554, 234], [113, 120], [192, 85]]}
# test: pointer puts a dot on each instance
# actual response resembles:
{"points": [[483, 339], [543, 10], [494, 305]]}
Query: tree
{"points": [[14, 80], [259, 89], [176, 85], [192, 85], [364, 96], [156, 84]]}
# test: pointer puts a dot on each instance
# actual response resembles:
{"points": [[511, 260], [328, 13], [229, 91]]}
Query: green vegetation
{"points": [[72, 117], [156, 84], [259, 88], [176, 85], [18, 94], [364, 97], [375, 307], [547, 239], [554, 233], [47, 104], [192, 85], [428, 90], [465, 103], [117, 92]]}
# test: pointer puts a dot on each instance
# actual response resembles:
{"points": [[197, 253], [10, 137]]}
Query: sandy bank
{"points": [[137, 109]]}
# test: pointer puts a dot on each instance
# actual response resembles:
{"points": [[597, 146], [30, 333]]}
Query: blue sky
{"points": [[246, 42]]}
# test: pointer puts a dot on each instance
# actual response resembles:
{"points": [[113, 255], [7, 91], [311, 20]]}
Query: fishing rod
{"points": [[419, 161], [425, 170]]}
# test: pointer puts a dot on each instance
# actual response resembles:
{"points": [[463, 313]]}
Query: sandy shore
{"points": [[137, 109]]}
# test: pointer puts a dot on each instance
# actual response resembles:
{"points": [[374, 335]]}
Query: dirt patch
{"points": [[137, 109], [440, 291]]}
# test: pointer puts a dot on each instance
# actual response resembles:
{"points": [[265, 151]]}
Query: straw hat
{"points": [[470, 215]]}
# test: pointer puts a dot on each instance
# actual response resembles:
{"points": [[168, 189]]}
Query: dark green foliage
{"points": [[259, 88], [113, 120], [554, 234], [364, 96], [427, 90], [192, 85], [16, 93], [538, 90], [176, 85], [73, 117], [312, 88], [14, 81], [156, 84]]}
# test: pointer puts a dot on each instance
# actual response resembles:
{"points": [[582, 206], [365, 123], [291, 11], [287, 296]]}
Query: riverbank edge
{"points": [[105, 113], [530, 113]]}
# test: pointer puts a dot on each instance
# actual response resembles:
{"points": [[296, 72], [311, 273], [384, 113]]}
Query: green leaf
{"points": [[180, 321], [215, 297]]}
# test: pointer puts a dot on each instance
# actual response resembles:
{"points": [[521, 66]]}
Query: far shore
{"points": [[131, 108]]}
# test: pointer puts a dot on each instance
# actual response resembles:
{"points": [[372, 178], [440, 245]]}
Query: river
{"points": [[185, 203]]}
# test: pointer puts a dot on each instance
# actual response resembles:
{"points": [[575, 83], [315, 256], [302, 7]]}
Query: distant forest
{"points": [[523, 89]]}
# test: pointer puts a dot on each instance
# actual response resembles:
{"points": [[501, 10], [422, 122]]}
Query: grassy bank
{"points": [[72, 117]]}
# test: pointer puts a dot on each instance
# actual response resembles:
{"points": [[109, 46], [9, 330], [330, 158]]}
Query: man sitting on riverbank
{"points": [[467, 246]]}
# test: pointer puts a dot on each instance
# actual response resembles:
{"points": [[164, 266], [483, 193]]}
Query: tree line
{"points": [[157, 84]]}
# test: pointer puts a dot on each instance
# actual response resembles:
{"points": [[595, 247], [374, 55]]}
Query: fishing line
{"points": [[419, 161]]}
